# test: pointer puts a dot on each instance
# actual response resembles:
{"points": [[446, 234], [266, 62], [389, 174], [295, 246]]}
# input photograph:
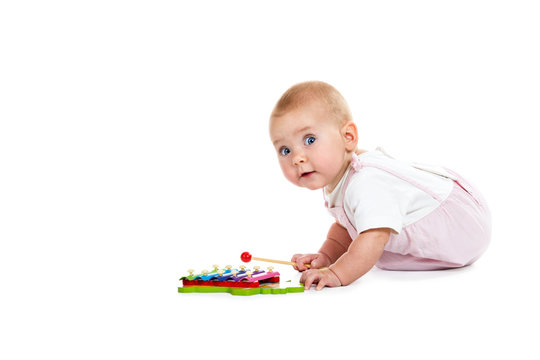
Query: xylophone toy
{"points": [[236, 282]]}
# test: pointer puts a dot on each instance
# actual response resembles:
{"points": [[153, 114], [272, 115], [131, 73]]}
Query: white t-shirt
{"points": [[376, 198]]}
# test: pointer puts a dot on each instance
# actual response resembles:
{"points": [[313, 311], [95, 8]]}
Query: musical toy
{"points": [[237, 282]]}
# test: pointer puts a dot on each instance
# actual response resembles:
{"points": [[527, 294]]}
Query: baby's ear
{"points": [[350, 135]]}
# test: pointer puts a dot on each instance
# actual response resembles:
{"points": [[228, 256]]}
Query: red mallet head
{"points": [[246, 257]]}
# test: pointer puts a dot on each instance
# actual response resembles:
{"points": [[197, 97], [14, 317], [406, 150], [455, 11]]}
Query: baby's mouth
{"points": [[307, 174]]}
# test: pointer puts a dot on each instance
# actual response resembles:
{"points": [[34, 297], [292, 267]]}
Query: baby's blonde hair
{"points": [[304, 93]]}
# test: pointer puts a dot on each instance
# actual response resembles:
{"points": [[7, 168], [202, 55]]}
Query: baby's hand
{"points": [[315, 261], [321, 277]]}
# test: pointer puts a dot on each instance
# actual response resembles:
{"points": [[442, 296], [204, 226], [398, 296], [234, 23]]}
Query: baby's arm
{"points": [[337, 242], [361, 256]]}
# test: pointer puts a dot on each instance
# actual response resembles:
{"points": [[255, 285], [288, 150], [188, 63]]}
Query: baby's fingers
{"points": [[301, 260], [294, 259], [322, 278], [309, 278], [321, 284]]}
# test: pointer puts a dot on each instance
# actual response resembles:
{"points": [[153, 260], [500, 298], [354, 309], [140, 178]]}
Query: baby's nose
{"points": [[299, 158]]}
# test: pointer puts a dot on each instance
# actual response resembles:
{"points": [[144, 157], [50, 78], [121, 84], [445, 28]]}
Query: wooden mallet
{"points": [[246, 257]]}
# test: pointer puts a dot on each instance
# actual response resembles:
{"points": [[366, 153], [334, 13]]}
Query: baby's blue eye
{"points": [[284, 151], [309, 140]]}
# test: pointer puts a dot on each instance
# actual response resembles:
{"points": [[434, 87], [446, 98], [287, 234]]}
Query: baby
{"points": [[391, 214]]}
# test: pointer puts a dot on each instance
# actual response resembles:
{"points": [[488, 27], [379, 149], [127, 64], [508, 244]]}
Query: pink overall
{"points": [[455, 234]]}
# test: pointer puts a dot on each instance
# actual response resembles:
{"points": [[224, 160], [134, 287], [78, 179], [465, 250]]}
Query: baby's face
{"points": [[310, 147]]}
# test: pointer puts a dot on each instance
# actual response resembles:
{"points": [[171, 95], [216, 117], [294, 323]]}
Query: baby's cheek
{"points": [[329, 162]]}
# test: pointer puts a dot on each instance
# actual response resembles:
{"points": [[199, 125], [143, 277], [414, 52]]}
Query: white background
{"points": [[134, 146]]}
